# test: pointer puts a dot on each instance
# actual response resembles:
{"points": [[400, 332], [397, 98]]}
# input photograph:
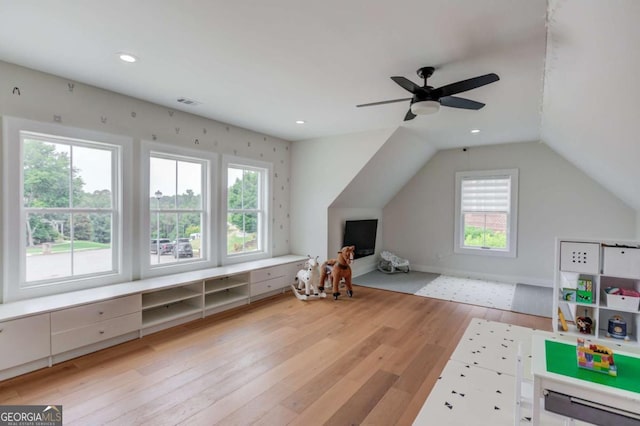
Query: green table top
{"points": [[561, 359]]}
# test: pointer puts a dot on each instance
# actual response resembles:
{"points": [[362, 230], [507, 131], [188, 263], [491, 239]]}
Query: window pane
{"points": [[485, 230], [162, 180], [92, 177], [234, 182], [190, 225], [162, 233], [51, 253], [250, 189], [90, 255], [189, 185], [48, 253], [46, 169], [242, 232]]}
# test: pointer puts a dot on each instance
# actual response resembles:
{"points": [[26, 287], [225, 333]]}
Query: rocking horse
{"points": [[337, 270], [309, 279]]}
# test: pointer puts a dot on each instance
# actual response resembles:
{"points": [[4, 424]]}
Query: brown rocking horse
{"points": [[338, 269]]}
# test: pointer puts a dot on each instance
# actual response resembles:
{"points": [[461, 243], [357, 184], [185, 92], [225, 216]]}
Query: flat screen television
{"points": [[362, 235]]}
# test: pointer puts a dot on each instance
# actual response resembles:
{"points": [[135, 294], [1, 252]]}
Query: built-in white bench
{"points": [[40, 332]]}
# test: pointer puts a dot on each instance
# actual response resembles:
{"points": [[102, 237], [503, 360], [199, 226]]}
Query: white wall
{"points": [[47, 98], [320, 170], [337, 218], [555, 199]]}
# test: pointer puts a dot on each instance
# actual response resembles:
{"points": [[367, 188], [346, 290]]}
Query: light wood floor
{"points": [[372, 359]]}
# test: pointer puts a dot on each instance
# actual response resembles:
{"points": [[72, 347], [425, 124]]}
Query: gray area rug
{"points": [[533, 300], [401, 282], [527, 299]]}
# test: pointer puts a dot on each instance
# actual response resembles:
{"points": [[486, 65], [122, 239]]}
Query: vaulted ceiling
{"points": [[566, 67]]}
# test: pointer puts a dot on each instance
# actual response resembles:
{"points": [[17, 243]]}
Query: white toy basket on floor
{"points": [[390, 263]]}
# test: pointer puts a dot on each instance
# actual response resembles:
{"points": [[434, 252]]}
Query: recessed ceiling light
{"points": [[127, 57], [300, 121], [475, 131]]}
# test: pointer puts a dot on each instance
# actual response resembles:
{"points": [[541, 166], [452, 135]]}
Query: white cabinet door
{"points": [[621, 262], [580, 257], [24, 340]]}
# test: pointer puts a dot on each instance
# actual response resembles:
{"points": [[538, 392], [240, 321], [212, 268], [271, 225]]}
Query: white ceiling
{"points": [[264, 64]]}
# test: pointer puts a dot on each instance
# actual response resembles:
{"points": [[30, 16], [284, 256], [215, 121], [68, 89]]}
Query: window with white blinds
{"points": [[486, 212], [491, 194]]}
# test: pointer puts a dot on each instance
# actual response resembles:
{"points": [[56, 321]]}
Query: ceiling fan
{"points": [[427, 100]]}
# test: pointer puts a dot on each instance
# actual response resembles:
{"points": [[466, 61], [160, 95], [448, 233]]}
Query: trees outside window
{"points": [[246, 207], [176, 206], [64, 227], [68, 207]]}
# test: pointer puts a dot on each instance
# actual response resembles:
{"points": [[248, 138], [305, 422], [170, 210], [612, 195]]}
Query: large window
{"points": [[246, 205], [179, 189], [486, 212], [176, 209], [65, 230]]}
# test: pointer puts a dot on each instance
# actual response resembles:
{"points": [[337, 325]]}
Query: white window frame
{"points": [[208, 233], [265, 236], [14, 283], [512, 215]]}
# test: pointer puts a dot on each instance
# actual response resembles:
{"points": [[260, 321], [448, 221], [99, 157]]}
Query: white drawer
{"points": [[580, 257], [24, 340], [270, 285], [80, 316], [293, 268], [268, 273], [621, 262], [83, 336]]}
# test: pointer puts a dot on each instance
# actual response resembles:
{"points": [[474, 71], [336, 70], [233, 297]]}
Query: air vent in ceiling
{"points": [[188, 101]]}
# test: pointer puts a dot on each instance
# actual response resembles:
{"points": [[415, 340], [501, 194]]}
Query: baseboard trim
{"points": [[513, 279]]}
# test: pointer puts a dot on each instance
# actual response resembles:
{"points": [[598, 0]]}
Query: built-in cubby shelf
{"points": [[165, 297], [603, 264]]}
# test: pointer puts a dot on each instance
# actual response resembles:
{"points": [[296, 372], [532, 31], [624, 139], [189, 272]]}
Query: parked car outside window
{"points": [[182, 248], [166, 246]]}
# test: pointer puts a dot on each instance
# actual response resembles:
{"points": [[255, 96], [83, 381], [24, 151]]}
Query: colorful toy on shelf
{"points": [[595, 357], [569, 294], [585, 290], [617, 328], [584, 324], [563, 321]]}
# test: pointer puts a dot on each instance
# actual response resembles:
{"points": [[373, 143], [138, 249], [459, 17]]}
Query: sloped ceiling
{"points": [[392, 166], [591, 111]]}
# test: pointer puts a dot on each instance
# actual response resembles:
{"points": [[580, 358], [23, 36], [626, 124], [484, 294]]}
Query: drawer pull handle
{"points": [[101, 331], [1, 330], [100, 313]]}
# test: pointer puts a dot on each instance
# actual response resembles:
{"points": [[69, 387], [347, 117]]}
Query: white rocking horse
{"points": [[309, 280]]}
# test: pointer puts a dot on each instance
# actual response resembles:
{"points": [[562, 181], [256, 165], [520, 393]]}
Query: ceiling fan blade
{"points": [[464, 85], [455, 102], [407, 84], [409, 116], [383, 102]]}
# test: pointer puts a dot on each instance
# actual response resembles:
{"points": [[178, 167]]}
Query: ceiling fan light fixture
{"points": [[425, 107]]}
